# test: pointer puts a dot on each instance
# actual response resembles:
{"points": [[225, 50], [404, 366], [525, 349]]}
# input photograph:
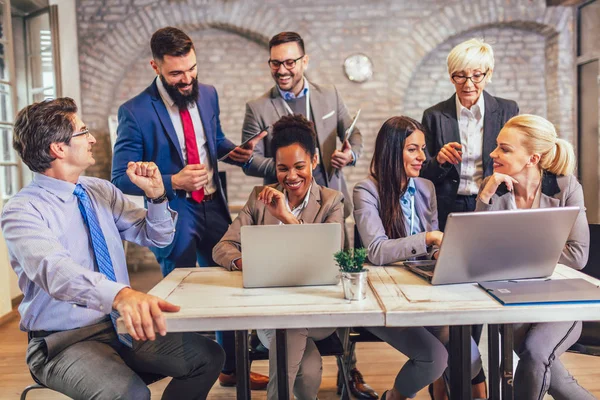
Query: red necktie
{"points": [[191, 147]]}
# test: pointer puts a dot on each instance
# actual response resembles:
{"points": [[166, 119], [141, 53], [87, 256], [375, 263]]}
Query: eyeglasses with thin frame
{"points": [[288, 64], [477, 77], [84, 131]]}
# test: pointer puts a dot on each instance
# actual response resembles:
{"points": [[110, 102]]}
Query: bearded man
{"points": [[175, 123]]}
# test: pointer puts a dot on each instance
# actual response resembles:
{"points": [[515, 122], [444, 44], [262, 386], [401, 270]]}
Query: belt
{"points": [[209, 197], [470, 196], [40, 334]]}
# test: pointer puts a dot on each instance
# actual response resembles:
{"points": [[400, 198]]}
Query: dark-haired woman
{"points": [[295, 199], [396, 216]]}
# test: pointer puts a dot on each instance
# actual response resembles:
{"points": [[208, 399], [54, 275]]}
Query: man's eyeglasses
{"points": [[288, 64], [477, 77], [85, 132]]}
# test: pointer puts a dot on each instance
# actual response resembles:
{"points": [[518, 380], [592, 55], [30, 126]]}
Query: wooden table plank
{"points": [[215, 299]]}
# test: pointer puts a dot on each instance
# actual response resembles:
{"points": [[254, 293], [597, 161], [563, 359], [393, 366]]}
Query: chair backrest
{"points": [[592, 267], [223, 178], [357, 242]]}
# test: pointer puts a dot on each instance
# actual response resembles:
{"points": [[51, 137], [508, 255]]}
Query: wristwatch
{"points": [[159, 199]]}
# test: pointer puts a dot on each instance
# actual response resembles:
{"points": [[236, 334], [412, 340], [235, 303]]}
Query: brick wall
{"points": [[407, 42], [518, 54]]}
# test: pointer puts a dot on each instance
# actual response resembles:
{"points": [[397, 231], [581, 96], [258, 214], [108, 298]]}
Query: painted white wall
{"points": [[69, 53]]}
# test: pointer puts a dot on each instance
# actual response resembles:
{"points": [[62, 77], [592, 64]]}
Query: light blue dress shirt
{"points": [[50, 249], [289, 95], [407, 202]]}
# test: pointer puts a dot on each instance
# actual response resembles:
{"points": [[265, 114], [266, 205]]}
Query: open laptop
{"points": [[499, 245], [290, 255]]}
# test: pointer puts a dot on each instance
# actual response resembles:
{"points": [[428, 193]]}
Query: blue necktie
{"points": [[103, 260]]}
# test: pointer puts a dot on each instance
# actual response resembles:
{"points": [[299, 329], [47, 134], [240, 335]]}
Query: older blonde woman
{"points": [[460, 134], [534, 169]]}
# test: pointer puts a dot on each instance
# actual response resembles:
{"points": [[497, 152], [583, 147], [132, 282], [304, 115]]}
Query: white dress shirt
{"points": [[295, 212], [298, 210], [470, 125], [173, 111]]}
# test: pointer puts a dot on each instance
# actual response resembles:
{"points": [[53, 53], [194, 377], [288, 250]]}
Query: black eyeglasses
{"points": [[85, 132], [477, 77], [288, 64]]}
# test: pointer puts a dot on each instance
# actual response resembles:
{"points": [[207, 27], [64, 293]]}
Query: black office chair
{"points": [[146, 377], [589, 341], [330, 346], [36, 385]]}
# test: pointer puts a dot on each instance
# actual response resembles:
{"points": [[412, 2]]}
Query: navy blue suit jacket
{"points": [[146, 133]]}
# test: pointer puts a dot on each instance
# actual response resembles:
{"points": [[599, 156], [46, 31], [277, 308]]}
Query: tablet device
{"points": [[245, 142], [351, 128]]}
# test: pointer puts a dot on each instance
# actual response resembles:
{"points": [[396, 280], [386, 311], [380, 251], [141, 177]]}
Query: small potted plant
{"points": [[354, 276]]}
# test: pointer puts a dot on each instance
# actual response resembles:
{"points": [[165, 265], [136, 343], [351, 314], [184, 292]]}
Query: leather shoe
{"points": [[359, 388], [257, 381]]}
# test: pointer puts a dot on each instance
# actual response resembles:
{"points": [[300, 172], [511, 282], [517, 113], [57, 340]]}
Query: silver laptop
{"points": [[499, 245], [290, 255]]}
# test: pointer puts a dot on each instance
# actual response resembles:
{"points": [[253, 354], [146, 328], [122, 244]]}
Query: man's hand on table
{"points": [[141, 311]]}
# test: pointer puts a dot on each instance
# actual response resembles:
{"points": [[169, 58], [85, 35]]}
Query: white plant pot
{"points": [[355, 285]]}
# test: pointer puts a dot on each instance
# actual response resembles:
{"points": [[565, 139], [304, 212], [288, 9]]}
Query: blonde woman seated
{"points": [[295, 199], [533, 168], [396, 217]]}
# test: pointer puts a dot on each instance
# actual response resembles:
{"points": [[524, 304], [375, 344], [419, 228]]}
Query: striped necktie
{"points": [[101, 254]]}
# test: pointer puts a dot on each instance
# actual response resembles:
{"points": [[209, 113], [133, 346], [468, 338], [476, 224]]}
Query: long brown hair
{"points": [[387, 169]]}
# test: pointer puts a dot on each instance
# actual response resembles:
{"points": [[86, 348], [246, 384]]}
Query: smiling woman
{"points": [[396, 217], [295, 199], [533, 168]]}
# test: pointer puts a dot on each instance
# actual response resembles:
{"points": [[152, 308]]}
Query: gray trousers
{"points": [[90, 363], [425, 348], [304, 364], [539, 347]]}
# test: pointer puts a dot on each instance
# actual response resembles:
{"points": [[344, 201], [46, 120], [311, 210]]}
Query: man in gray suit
{"points": [[323, 105], [293, 94]]}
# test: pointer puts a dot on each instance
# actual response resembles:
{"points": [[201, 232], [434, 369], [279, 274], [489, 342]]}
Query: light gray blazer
{"points": [[381, 249], [331, 119], [557, 191]]}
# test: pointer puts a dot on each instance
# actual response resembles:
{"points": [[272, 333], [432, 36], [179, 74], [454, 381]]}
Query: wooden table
{"points": [[409, 300], [215, 299]]}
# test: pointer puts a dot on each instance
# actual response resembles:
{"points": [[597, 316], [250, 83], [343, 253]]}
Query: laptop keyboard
{"points": [[426, 268]]}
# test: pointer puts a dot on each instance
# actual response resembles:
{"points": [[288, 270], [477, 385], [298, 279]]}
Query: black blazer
{"points": [[441, 127]]}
